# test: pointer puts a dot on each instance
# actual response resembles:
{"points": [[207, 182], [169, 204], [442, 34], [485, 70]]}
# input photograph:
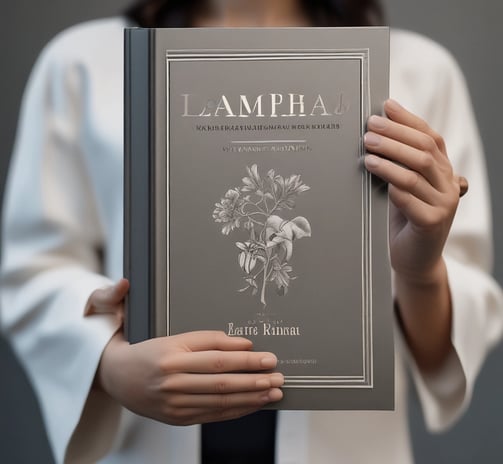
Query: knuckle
{"points": [[410, 180], [221, 387], [432, 219], [169, 385], [423, 126], [224, 402], [439, 141], [428, 143], [426, 161], [219, 363], [167, 365]]}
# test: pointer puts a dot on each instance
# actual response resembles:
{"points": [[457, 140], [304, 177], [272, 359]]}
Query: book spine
{"points": [[138, 183]]}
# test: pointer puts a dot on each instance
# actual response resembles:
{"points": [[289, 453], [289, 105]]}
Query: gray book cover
{"points": [[247, 209]]}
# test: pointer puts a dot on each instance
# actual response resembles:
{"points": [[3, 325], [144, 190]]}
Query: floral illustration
{"points": [[254, 207]]}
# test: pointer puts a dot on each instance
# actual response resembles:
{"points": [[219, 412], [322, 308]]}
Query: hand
{"points": [[424, 195], [423, 190], [184, 379]]}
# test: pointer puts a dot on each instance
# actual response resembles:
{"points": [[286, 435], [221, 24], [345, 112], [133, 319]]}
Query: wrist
{"points": [[424, 311], [435, 276], [102, 380]]}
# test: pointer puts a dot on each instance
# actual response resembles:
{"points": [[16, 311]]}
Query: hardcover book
{"points": [[247, 208]]}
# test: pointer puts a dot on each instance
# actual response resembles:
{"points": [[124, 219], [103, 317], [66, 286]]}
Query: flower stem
{"points": [[264, 281]]}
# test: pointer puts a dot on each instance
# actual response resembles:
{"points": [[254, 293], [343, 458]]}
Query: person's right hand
{"points": [[183, 379]]}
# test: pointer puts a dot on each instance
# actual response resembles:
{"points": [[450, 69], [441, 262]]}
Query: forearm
{"points": [[425, 313]]}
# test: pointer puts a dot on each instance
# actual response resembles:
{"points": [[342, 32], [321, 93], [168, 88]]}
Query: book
{"points": [[247, 208]]}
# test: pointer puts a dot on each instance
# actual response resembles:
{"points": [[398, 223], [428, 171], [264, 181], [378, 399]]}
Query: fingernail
{"points": [[263, 384], [268, 362], [372, 139], [275, 394], [377, 122], [277, 379], [372, 161], [392, 105]]}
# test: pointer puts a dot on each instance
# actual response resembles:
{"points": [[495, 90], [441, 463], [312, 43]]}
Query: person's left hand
{"points": [[423, 190]]}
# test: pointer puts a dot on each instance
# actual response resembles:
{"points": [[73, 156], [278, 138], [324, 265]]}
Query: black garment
{"points": [[248, 440]]}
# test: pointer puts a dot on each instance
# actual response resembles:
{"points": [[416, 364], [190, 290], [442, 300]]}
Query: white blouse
{"points": [[62, 238]]}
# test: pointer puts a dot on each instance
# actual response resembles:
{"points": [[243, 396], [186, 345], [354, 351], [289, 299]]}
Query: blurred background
{"points": [[470, 30]]}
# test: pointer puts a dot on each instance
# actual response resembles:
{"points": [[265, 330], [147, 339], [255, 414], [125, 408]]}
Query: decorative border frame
{"points": [[365, 380]]}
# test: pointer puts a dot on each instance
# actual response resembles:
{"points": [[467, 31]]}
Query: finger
{"points": [[214, 362], [205, 340], [227, 414], [416, 160], [226, 401], [190, 416], [415, 211], [222, 383], [463, 185], [405, 179], [406, 134], [427, 142], [399, 114], [106, 300]]}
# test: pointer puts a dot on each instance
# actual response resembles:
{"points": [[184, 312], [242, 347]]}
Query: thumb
{"points": [[108, 300]]}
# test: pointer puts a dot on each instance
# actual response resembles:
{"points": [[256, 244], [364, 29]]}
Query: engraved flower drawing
{"points": [[254, 207]]}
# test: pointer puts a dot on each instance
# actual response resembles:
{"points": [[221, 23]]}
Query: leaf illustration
{"points": [[251, 284], [281, 276], [253, 182]]}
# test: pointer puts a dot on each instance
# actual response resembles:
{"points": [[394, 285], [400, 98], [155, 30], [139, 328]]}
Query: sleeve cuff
{"points": [[476, 327], [62, 361]]}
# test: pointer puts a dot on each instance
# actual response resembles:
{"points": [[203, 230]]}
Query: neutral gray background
{"points": [[470, 29]]}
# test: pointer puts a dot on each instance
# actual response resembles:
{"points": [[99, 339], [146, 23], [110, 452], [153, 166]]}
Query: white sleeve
{"points": [[477, 300], [52, 242]]}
